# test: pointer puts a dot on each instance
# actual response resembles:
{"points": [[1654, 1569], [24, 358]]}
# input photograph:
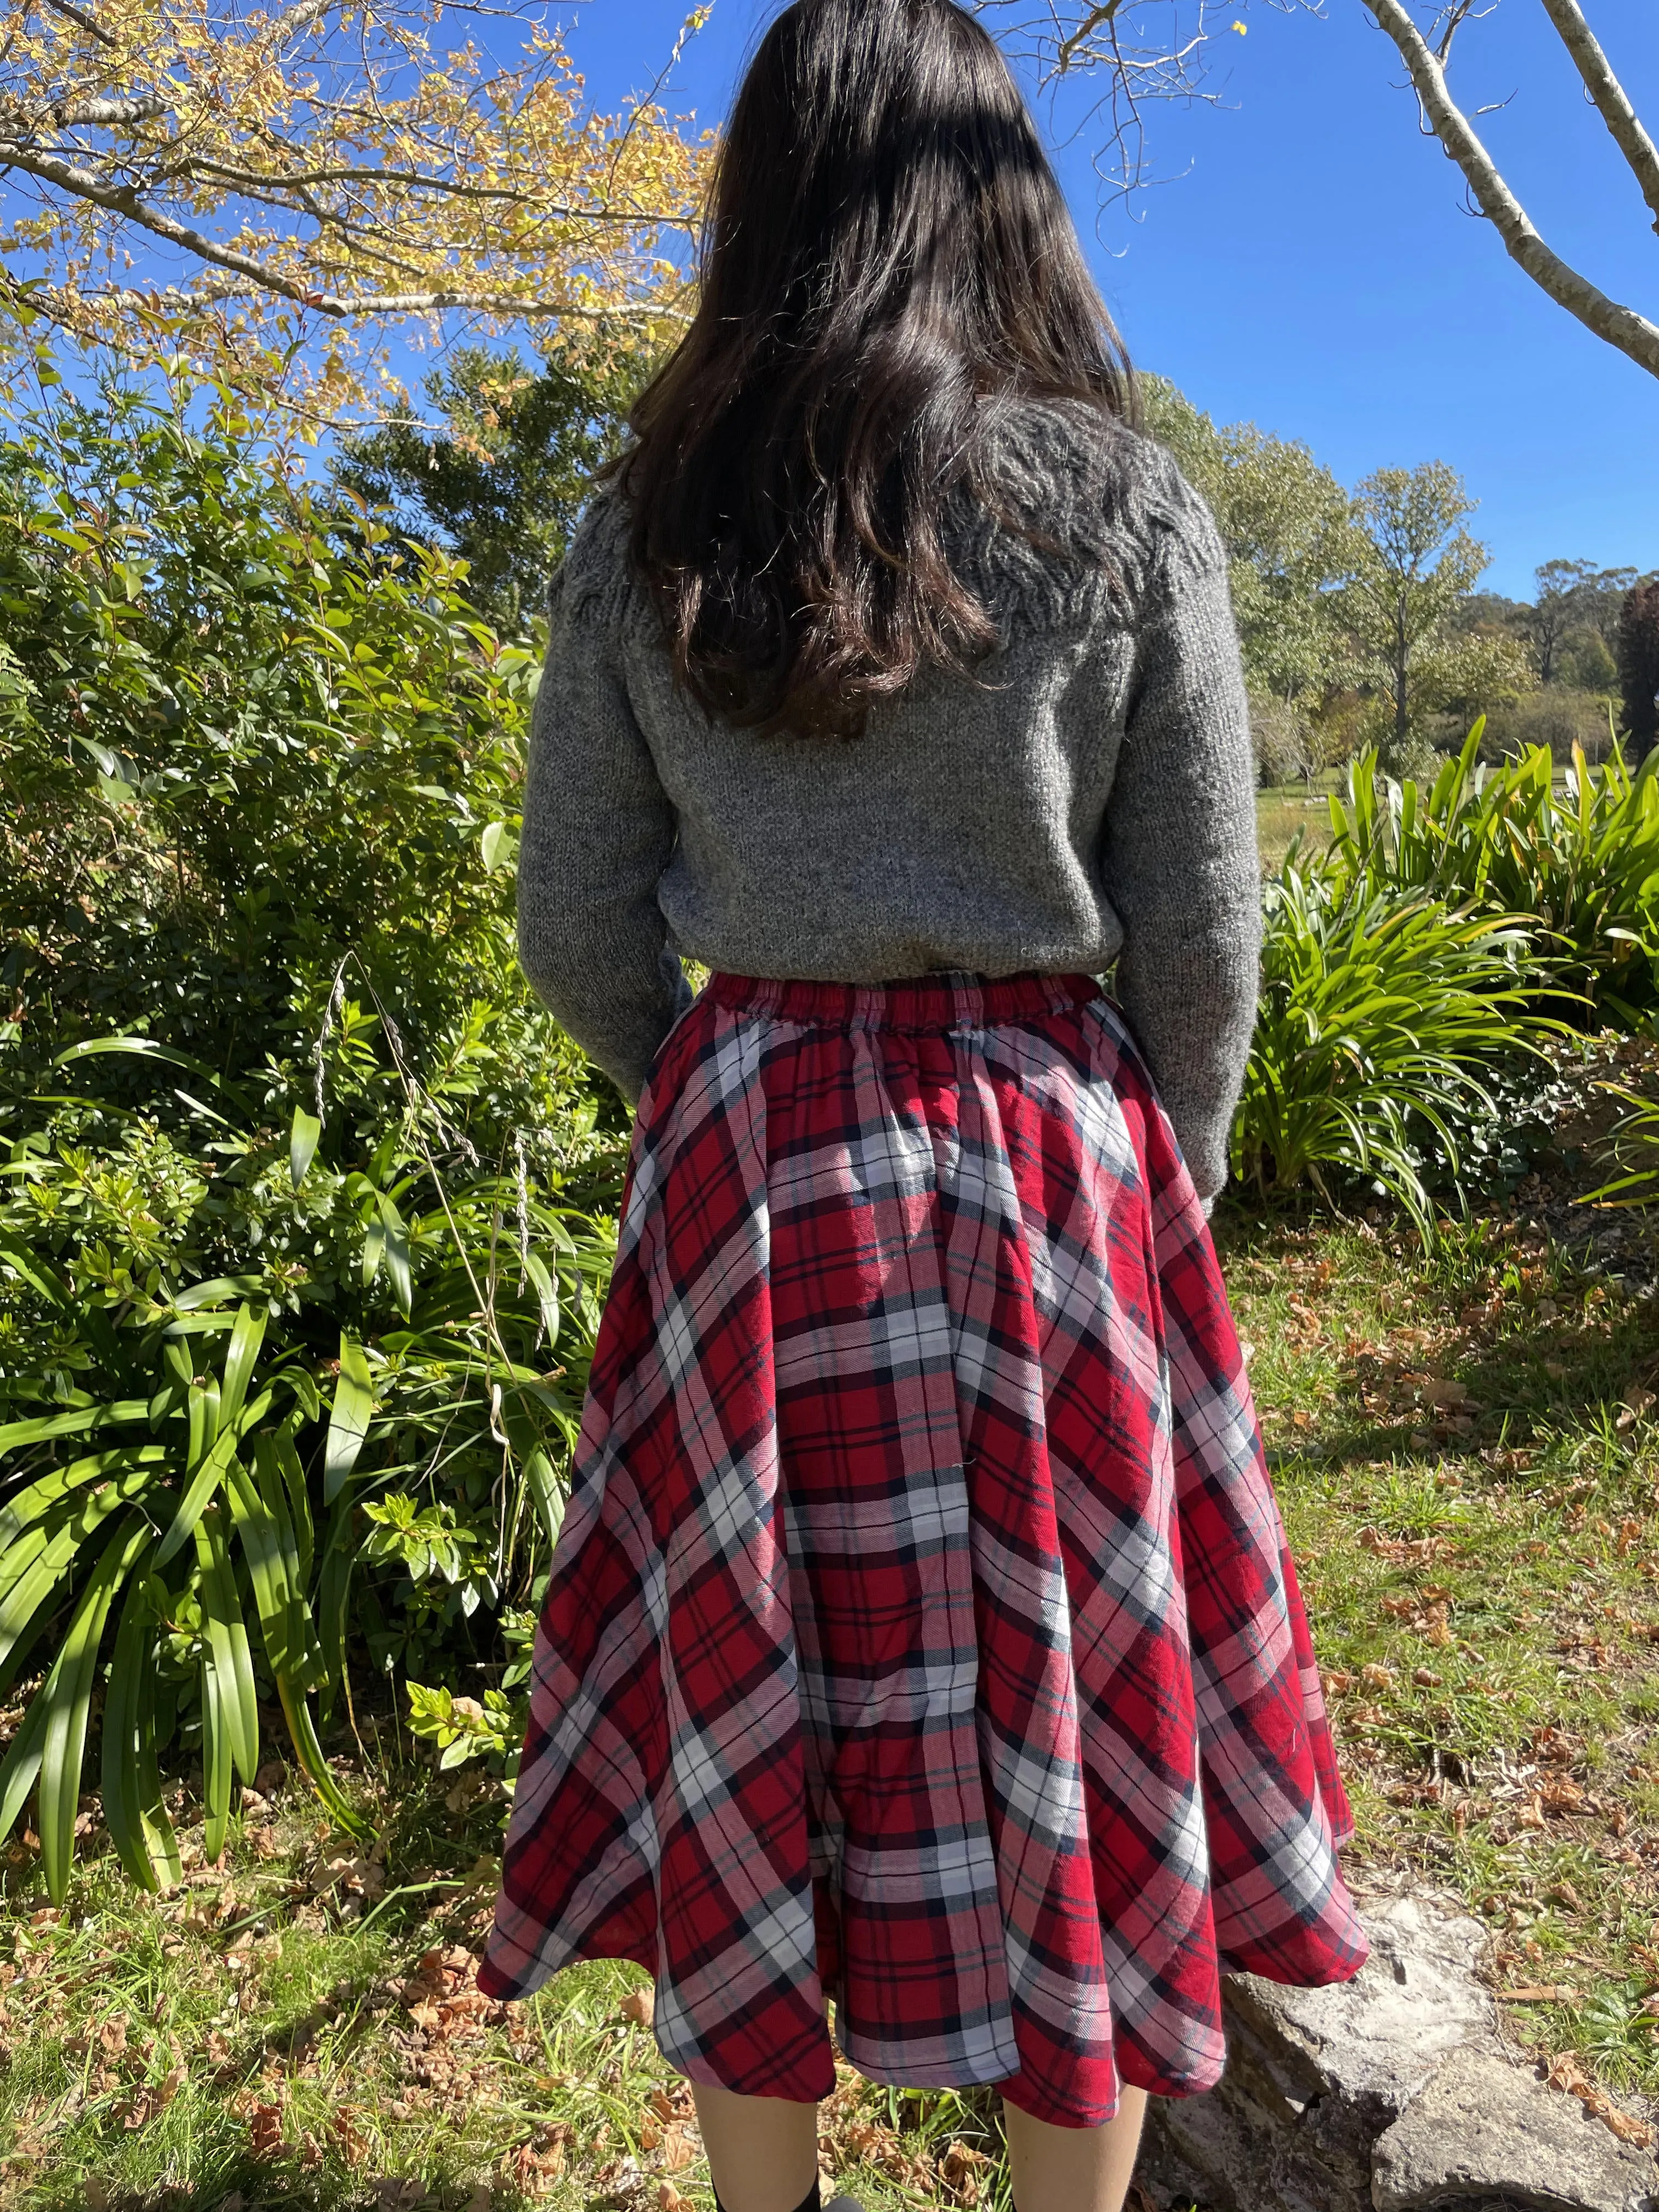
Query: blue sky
{"points": [[1307, 263]]}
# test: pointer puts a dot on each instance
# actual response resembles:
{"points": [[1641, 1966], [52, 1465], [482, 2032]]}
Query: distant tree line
{"points": [[1359, 614], [1361, 622]]}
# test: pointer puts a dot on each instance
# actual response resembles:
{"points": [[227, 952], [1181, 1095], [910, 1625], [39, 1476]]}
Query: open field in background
{"points": [[1285, 811], [1467, 1447]]}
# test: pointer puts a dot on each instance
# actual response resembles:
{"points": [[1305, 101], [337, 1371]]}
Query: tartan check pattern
{"points": [[921, 1631]]}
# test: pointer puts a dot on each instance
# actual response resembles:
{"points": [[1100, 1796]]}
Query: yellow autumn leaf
{"points": [[275, 195]]}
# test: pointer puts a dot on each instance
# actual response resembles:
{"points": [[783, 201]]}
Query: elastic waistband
{"points": [[924, 1003]]}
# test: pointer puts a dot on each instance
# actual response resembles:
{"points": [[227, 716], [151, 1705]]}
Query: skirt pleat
{"points": [[921, 1634]]}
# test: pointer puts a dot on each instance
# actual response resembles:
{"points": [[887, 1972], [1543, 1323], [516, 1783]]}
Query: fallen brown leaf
{"points": [[678, 2151], [1562, 1794], [1567, 2073], [960, 2168], [264, 2130], [349, 2135], [1448, 1393]]}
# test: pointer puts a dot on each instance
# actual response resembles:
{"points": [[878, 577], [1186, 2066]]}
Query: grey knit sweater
{"points": [[1085, 801]]}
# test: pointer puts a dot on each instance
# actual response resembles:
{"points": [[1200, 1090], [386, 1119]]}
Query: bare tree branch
{"points": [[1074, 44], [1154, 50], [1451, 21], [88, 23], [1610, 97], [1631, 333]]}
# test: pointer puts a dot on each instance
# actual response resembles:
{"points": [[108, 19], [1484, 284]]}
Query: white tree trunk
{"points": [[1633, 334]]}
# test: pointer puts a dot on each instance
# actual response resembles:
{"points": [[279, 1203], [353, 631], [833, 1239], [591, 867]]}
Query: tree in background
{"points": [[1575, 620], [501, 484], [1638, 668], [1284, 522], [316, 179], [1415, 563], [1557, 612], [1290, 540], [1375, 593]]}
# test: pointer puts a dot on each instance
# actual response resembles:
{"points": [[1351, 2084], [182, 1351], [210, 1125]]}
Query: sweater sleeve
{"points": [[1179, 850], [597, 832]]}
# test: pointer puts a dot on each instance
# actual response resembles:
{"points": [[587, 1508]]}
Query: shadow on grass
{"points": [[1543, 1355]]}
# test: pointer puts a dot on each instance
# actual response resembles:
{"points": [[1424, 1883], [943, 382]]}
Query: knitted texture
{"points": [[1084, 801]]}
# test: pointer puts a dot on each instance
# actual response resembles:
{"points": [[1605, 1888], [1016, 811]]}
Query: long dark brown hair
{"points": [[887, 258]]}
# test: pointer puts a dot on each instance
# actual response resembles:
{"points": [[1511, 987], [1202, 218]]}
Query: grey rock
{"points": [[1379, 2036], [1484, 2128], [1319, 2081]]}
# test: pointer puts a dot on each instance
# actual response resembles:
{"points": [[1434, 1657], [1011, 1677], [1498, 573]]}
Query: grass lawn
{"points": [[1467, 1453], [1284, 811]]}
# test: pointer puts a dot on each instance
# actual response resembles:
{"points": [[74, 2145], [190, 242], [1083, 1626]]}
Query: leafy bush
{"points": [[1579, 865], [1630, 1148], [1558, 718], [302, 1222], [1413, 975], [1385, 1015]]}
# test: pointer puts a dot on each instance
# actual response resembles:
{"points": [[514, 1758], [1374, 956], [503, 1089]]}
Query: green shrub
{"points": [[1385, 1016], [1630, 1148], [303, 1214], [1559, 718], [1579, 865]]}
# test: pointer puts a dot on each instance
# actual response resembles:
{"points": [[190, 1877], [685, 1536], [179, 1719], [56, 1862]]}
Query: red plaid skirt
{"points": [[921, 1634]]}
